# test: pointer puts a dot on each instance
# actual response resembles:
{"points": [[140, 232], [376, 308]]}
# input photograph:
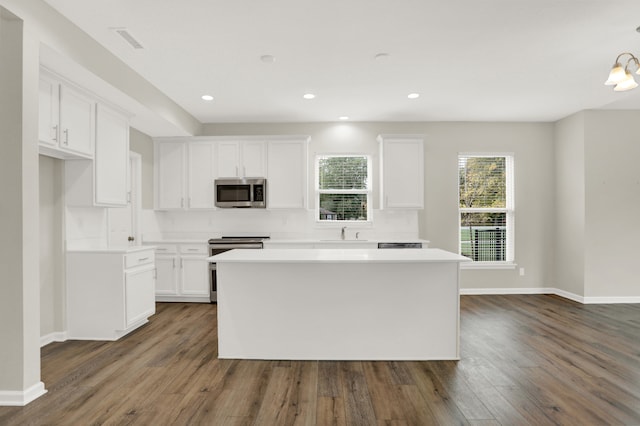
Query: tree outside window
{"points": [[343, 188]]}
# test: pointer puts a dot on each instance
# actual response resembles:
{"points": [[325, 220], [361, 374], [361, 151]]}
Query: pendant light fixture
{"points": [[620, 77]]}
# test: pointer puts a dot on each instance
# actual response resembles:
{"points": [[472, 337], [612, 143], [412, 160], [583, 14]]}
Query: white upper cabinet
{"points": [[66, 121], [402, 171], [49, 111], [185, 173], [103, 181], [186, 169], [228, 159], [170, 175], [287, 174], [77, 125], [241, 159], [200, 175]]}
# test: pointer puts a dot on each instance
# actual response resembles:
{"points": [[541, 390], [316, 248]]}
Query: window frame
{"points": [[368, 191], [509, 209]]}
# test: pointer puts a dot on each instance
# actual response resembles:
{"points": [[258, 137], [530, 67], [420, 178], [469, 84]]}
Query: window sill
{"points": [[488, 265]]}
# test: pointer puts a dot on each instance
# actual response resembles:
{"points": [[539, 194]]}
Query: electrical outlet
{"points": [[522, 272]]}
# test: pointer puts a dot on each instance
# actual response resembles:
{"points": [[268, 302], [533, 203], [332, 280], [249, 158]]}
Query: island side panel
{"points": [[338, 311]]}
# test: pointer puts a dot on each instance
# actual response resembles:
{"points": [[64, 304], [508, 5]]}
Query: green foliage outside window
{"points": [[343, 188]]}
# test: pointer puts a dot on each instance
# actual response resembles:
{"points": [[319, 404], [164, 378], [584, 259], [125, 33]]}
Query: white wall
{"points": [[19, 289], [52, 295], [532, 144], [570, 204], [612, 199]]}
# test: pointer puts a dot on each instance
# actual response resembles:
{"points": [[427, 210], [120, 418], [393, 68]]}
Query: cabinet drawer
{"points": [[166, 248], [194, 249], [138, 258]]}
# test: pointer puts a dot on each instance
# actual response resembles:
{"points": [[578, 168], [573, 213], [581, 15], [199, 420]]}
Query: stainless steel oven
{"points": [[220, 245]]}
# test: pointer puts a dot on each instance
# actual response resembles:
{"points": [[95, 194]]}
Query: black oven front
{"points": [[220, 245]]}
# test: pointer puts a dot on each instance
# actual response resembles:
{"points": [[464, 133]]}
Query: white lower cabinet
{"points": [[109, 293], [167, 277], [182, 273]]}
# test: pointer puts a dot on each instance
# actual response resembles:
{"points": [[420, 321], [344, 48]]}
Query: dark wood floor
{"points": [[531, 359]]}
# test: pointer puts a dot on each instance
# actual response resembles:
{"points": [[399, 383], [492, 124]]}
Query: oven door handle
{"points": [[234, 246]]}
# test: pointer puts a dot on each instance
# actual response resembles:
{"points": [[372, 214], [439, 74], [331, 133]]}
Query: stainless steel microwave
{"points": [[241, 193]]}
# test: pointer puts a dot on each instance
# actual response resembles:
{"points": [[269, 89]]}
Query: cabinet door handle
{"points": [[244, 171], [192, 249], [236, 170], [181, 264], [142, 259], [182, 202], [66, 136], [55, 133], [189, 202]]}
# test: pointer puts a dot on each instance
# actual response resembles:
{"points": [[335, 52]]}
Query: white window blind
{"points": [[485, 187], [343, 188]]}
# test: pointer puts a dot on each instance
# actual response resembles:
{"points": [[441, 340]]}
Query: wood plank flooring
{"points": [[526, 360]]}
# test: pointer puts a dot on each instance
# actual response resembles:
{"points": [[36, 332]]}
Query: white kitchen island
{"points": [[332, 304]]}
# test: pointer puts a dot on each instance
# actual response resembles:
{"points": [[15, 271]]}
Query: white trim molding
{"points": [[56, 336], [22, 398], [550, 290]]}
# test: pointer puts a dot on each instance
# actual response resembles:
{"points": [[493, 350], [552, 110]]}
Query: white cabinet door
{"points": [[201, 175], [49, 111], [241, 159], [112, 157], [170, 159], [139, 295], [166, 275], [402, 172], [195, 276], [228, 159], [253, 159], [287, 174], [77, 125]]}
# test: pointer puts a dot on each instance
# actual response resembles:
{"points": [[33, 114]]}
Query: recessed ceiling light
{"points": [[413, 95], [207, 97], [343, 117], [308, 96], [268, 58]]}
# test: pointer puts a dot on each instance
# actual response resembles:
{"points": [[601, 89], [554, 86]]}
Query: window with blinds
{"points": [[485, 188], [343, 188]]}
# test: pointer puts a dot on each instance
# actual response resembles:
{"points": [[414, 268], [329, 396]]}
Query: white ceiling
{"points": [[470, 60]]}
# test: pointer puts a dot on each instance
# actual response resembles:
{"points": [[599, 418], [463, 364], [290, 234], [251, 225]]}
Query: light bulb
{"points": [[627, 84]]}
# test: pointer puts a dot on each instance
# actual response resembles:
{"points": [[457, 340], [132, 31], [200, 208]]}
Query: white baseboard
{"points": [[22, 398], [57, 336], [612, 300], [550, 290]]}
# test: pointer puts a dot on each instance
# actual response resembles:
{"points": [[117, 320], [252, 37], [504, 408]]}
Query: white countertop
{"points": [[119, 249], [338, 256], [338, 240]]}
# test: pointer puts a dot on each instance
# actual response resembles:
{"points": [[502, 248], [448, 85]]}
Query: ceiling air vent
{"points": [[126, 35]]}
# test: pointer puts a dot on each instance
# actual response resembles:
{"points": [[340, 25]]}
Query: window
{"points": [[486, 207], [343, 188]]}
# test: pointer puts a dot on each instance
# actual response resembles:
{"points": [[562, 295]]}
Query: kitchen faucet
{"points": [[342, 232]]}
